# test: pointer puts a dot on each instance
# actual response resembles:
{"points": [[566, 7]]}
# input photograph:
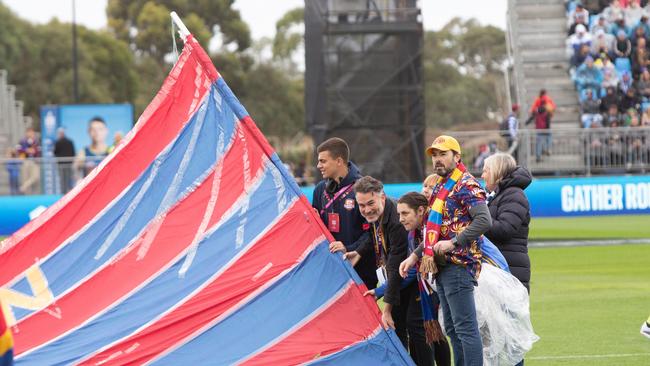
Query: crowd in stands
{"points": [[610, 56], [609, 64]]}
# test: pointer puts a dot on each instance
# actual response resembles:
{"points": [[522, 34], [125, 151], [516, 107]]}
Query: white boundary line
{"points": [[571, 357], [584, 243]]}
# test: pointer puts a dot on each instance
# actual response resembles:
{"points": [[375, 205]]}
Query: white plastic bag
{"points": [[503, 312]]}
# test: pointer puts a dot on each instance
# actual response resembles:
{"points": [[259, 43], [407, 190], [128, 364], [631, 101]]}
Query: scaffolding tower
{"points": [[363, 82]]}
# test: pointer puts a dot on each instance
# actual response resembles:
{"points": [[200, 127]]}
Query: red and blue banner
{"points": [[6, 342], [189, 244]]}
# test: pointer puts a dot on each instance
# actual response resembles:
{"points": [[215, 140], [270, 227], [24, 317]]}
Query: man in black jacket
{"points": [[64, 148], [388, 245], [334, 201]]}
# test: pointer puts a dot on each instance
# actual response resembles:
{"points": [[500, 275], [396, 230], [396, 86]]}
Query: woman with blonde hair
{"points": [[428, 185], [510, 212]]}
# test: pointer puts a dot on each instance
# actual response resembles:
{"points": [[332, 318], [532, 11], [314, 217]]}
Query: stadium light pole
{"points": [[75, 72]]}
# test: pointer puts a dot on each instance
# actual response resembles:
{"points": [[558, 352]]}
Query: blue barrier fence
{"points": [[549, 197]]}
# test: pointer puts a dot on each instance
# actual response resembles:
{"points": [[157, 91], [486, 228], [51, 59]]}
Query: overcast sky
{"points": [[260, 14]]}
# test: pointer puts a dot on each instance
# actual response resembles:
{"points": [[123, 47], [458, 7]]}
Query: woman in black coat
{"points": [[510, 212]]}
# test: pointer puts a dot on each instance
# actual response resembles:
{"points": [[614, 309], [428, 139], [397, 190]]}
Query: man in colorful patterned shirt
{"points": [[454, 237]]}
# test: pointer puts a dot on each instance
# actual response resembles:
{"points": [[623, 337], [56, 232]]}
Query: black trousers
{"points": [[409, 327]]}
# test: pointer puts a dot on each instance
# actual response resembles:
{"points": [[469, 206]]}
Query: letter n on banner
{"points": [[40, 298]]}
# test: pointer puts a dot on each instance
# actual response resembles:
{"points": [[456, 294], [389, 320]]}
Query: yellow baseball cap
{"points": [[444, 143]]}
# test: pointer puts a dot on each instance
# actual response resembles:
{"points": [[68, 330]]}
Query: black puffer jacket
{"points": [[510, 213]]}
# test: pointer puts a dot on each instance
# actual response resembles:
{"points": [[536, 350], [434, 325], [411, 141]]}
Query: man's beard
{"points": [[442, 171]]}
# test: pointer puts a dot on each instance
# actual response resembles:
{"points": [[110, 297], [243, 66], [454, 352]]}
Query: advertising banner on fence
{"points": [[91, 130], [614, 195], [549, 197]]}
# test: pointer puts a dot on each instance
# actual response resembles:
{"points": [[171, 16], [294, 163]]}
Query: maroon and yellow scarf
{"points": [[434, 222]]}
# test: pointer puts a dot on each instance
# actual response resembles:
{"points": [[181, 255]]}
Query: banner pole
{"points": [[182, 29]]}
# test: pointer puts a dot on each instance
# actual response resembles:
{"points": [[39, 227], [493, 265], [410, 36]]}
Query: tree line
{"points": [[127, 62]]}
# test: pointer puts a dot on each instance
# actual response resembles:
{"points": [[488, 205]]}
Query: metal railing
{"points": [[46, 175], [565, 152], [623, 150]]}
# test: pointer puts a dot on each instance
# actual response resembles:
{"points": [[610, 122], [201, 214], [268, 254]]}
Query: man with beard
{"points": [[458, 217], [388, 244], [334, 201]]}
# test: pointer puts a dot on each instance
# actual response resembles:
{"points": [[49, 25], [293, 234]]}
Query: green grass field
{"points": [[588, 303], [592, 227]]}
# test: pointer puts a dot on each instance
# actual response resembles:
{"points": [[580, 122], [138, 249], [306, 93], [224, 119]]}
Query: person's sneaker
{"points": [[645, 329]]}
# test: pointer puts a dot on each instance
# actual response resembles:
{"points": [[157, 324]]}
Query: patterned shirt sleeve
{"points": [[470, 192]]}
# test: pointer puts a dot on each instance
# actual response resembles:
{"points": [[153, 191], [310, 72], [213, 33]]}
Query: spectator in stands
{"points": [[600, 25], [645, 118], [622, 46], [615, 146], [643, 23], [633, 13], [593, 6], [637, 34], [636, 150], [579, 16], [643, 85], [541, 112], [577, 40], [610, 98], [590, 110], [513, 130], [30, 176], [588, 76], [28, 145], [604, 63], [640, 57], [629, 100], [579, 58], [90, 156], [64, 150], [602, 43], [610, 80], [619, 26], [597, 146], [625, 83], [631, 118], [612, 118], [12, 164], [613, 12], [543, 99]]}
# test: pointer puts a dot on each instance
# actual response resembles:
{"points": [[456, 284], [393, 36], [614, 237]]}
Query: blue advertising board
{"points": [[555, 197], [74, 119], [549, 197]]}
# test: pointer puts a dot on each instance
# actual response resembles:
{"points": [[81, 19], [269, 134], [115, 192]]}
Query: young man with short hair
{"points": [[334, 201]]}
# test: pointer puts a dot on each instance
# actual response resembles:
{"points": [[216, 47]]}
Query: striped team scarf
{"points": [[6, 342], [434, 222], [432, 330]]}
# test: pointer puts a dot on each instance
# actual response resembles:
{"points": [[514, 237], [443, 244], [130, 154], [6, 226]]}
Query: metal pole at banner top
{"points": [[182, 29]]}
